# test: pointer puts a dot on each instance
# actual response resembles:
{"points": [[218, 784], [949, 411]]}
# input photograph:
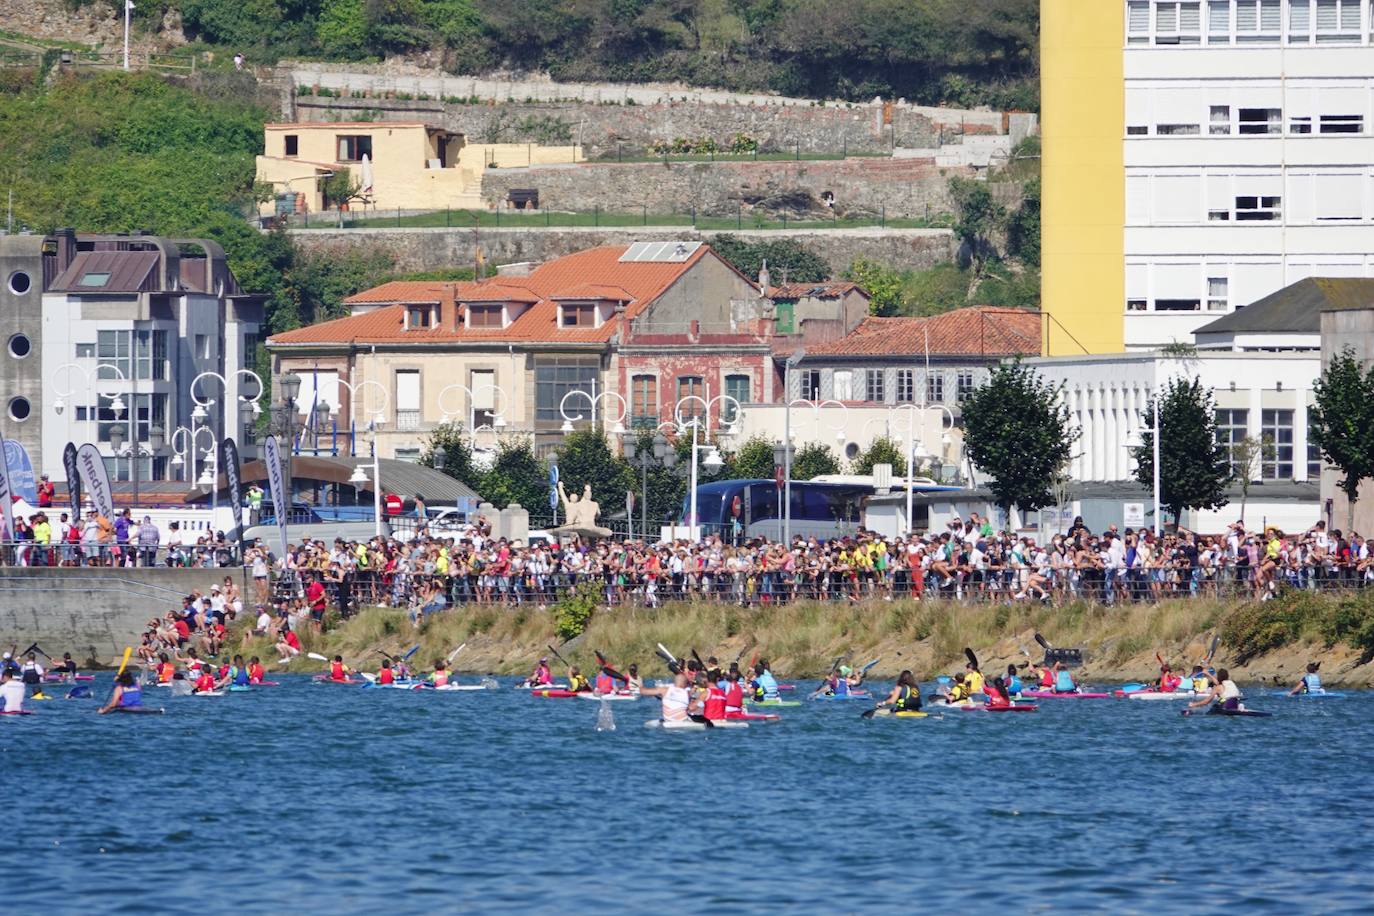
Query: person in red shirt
{"points": [[46, 491], [183, 630], [255, 673], [314, 594], [716, 699], [338, 671], [386, 675]]}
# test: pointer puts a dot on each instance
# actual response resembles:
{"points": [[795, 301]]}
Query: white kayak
{"points": [[687, 725], [541, 686], [1162, 695], [608, 696], [206, 693]]}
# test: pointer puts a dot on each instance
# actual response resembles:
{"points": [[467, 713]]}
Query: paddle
{"points": [[1216, 640], [703, 720], [870, 665], [557, 656], [406, 657], [1043, 644], [870, 713], [454, 654], [316, 656], [663, 653], [701, 665], [972, 659], [124, 663], [601, 660]]}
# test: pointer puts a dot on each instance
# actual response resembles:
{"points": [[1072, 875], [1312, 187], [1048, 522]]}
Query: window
{"points": [[20, 283], [411, 455], [906, 386], [94, 279], [20, 409], [407, 400], [353, 148], [1137, 130], [963, 385], [250, 351], [555, 376], [1138, 22], [1177, 305], [1231, 431], [644, 401], [1220, 124], [1276, 434], [1219, 22], [935, 388], [1258, 20], [1177, 130], [1314, 452], [1178, 23], [202, 350], [483, 385], [149, 410], [486, 316], [1261, 121], [843, 381], [691, 386], [737, 387], [1135, 305], [1257, 208], [1337, 198], [810, 385], [783, 312], [85, 351], [1300, 124], [20, 346], [1342, 124], [1216, 294], [873, 385], [150, 355], [419, 317], [578, 315], [1299, 21], [292, 144], [1338, 20], [112, 349]]}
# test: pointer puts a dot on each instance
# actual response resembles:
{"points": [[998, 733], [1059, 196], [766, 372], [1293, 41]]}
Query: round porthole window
{"points": [[20, 346], [20, 283], [19, 409]]}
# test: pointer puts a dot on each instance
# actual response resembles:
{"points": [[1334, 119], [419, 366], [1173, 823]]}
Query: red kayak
{"points": [[1051, 695], [62, 679], [554, 694], [17, 712], [753, 716]]}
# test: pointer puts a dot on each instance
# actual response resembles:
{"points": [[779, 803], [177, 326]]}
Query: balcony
{"points": [[407, 421]]}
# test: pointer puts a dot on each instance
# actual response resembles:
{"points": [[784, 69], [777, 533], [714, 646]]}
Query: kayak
{"points": [[240, 688], [885, 713], [772, 702], [541, 686], [607, 696], [18, 712], [1215, 710], [554, 694], [324, 679], [264, 684], [206, 693], [979, 707], [448, 687], [754, 716], [1051, 695], [139, 709], [62, 679], [1311, 694], [728, 723], [842, 696], [1159, 695], [687, 725]]}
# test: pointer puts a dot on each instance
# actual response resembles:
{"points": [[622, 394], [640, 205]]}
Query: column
{"points": [[1300, 435]]}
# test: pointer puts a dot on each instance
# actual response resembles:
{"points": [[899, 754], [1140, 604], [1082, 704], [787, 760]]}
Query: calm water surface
{"points": [[309, 799]]}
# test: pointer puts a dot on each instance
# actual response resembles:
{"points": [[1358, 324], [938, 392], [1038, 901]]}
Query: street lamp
{"points": [[498, 414], [787, 443], [593, 400], [713, 461], [1134, 440], [373, 416], [916, 449], [359, 478], [246, 404], [659, 452], [285, 419]]}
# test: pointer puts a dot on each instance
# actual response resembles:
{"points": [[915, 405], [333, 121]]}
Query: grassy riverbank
{"points": [[1260, 642]]}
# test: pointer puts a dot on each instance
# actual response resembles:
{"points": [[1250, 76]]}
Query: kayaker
{"points": [[256, 675], [126, 695], [677, 699], [734, 694], [1199, 679], [633, 682], [1063, 679], [11, 691], [238, 672], [836, 684], [7, 663], [1168, 681], [205, 683], [1222, 691], [973, 678], [905, 695], [714, 702], [386, 676], [337, 670], [32, 675], [605, 684], [713, 671], [958, 692], [765, 686], [66, 667], [1310, 682], [1013, 682], [998, 695], [1046, 677], [541, 675], [439, 678], [576, 682]]}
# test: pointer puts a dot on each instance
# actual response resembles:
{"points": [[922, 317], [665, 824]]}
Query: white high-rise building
{"points": [[1249, 154]]}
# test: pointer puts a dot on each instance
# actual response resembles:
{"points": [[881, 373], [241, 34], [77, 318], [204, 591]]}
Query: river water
{"points": [[310, 798]]}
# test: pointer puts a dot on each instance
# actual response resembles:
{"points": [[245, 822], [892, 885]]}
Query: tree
{"points": [[980, 217], [341, 188], [754, 459], [1023, 229], [1246, 456], [785, 257], [586, 458], [813, 460], [1342, 423], [1017, 429], [1194, 467], [884, 285], [517, 475], [882, 450], [453, 439]]}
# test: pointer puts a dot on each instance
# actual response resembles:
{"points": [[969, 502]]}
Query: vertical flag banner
{"points": [[73, 471], [229, 461], [281, 505], [96, 479]]}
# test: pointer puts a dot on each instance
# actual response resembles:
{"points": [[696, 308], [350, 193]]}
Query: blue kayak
{"points": [[842, 696], [1311, 695]]}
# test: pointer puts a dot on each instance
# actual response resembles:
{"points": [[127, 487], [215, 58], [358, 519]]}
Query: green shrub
{"points": [[574, 611]]}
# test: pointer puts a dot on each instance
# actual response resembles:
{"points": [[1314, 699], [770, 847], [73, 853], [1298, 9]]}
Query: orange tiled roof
{"points": [[595, 291], [975, 331], [638, 282], [826, 289], [496, 291]]}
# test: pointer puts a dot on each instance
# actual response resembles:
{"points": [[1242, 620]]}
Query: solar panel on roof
{"points": [[659, 252]]}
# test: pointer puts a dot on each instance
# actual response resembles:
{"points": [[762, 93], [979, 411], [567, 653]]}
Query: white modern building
{"points": [[1249, 159], [128, 323]]}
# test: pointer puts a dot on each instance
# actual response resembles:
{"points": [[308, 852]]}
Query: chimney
{"points": [[66, 248], [448, 309], [765, 281]]}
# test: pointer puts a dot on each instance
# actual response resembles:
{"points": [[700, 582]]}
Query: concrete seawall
{"points": [[91, 613]]}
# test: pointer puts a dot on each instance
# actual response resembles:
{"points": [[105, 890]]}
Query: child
{"points": [[386, 676]]}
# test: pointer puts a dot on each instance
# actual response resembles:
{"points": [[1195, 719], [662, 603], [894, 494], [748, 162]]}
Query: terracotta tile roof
{"points": [[417, 291], [829, 289], [595, 291], [975, 331], [495, 291], [639, 282]]}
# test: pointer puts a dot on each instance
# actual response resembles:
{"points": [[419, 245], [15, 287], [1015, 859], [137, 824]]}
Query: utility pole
{"points": [[128, 9]]}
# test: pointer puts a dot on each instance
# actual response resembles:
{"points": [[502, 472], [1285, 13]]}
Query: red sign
{"points": [[394, 504], [736, 507], [777, 475]]}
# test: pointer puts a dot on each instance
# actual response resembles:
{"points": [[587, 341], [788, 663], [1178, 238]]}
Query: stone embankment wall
{"points": [[432, 249], [860, 187]]}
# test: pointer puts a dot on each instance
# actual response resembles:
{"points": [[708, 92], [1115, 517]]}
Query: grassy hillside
{"points": [[931, 51]]}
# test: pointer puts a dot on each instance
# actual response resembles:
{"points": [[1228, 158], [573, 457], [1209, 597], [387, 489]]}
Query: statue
{"points": [[580, 514]]}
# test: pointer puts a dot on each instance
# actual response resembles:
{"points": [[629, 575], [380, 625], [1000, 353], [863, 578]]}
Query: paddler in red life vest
{"points": [[734, 695], [386, 676], [714, 702], [576, 682], [440, 676], [1046, 677], [541, 675], [998, 695], [337, 670], [165, 669], [255, 673], [1168, 681]]}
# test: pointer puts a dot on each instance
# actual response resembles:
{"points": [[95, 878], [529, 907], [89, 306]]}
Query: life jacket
{"points": [[205, 682], [1312, 683], [734, 697], [440, 678], [974, 680], [1168, 683], [996, 699], [1014, 685], [1063, 683], [336, 671], [840, 686], [542, 675], [767, 686], [715, 703], [957, 694], [1047, 679], [255, 673], [605, 683], [908, 701], [578, 684], [386, 677], [239, 676], [31, 675], [131, 697]]}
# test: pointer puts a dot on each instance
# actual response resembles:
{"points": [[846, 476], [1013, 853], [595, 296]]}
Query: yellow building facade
{"points": [[413, 166], [1082, 93]]}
